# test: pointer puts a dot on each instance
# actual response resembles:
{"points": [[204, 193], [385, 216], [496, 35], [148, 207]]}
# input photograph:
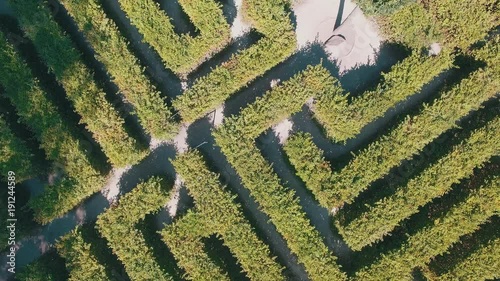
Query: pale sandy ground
{"points": [[173, 205], [316, 22], [282, 130], [217, 117], [239, 26], [112, 188]]}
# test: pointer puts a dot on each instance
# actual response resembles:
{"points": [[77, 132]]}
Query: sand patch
{"points": [[282, 130], [239, 26], [112, 188]]}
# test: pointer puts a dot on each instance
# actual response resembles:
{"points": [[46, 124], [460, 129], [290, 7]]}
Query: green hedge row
{"points": [[123, 67], [381, 7], [49, 267], [343, 120], [180, 53], [482, 264], [15, 156], [55, 136], [464, 22], [217, 206], [412, 25], [269, 18], [236, 139], [412, 134], [489, 54], [183, 238], [117, 225], [80, 262], [463, 218], [282, 101], [311, 167], [407, 139], [384, 215], [58, 52], [454, 23]]}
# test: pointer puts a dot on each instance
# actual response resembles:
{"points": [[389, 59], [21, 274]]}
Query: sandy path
{"points": [[359, 41]]}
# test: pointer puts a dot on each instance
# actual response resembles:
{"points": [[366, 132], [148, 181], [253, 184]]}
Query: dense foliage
{"points": [[464, 218], [453, 23], [216, 206], [236, 139], [269, 18], [117, 225], [382, 216], [123, 67], [180, 53], [183, 238], [49, 267], [56, 137], [429, 217], [80, 262], [64, 61], [481, 264], [381, 7], [402, 142], [464, 22], [343, 120]]}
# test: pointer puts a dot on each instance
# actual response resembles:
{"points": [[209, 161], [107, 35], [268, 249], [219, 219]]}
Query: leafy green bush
{"points": [[208, 92], [49, 267], [182, 53], [123, 67], [381, 7], [481, 264], [343, 121], [382, 216], [183, 238], [401, 143], [412, 25], [117, 225], [236, 139], [216, 206], [454, 23], [464, 218], [55, 136], [311, 167], [58, 52], [80, 262], [464, 22], [15, 156]]}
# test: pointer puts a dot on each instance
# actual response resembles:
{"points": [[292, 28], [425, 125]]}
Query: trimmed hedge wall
{"points": [[381, 7], [464, 218], [433, 182], [80, 262], [181, 53], [64, 61], [401, 143], [117, 225], [343, 120], [55, 136], [208, 92], [236, 139], [216, 205], [111, 48], [482, 264], [15, 155]]}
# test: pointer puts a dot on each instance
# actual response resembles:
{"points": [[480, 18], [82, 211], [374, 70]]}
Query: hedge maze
{"points": [[396, 211]]}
